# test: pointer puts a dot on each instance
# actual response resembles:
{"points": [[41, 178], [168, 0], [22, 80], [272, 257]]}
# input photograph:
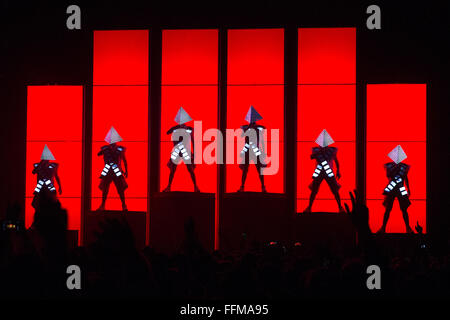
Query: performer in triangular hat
{"points": [[397, 174], [47, 173], [325, 157], [183, 150], [113, 157], [253, 149]]}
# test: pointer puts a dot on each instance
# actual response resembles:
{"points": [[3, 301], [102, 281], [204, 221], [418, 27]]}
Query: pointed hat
{"points": [[113, 136], [397, 154], [182, 116], [252, 115], [47, 154], [324, 139]]}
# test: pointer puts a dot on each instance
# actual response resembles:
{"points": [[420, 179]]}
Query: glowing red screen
{"points": [[326, 100], [256, 78], [189, 80], [121, 57], [330, 107], [327, 56], [255, 56], [190, 57], [48, 108], [120, 99], [396, 115]]}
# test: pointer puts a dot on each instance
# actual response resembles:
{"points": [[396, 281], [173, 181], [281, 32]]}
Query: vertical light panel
{"points": [[54, 117], [120, 99], [189, 80], [255, 77], [326, 100], [396, 115]]}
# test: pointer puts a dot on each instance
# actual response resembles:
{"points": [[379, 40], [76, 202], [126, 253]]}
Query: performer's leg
{"points": [[244, 176], [388, 203], [338, 198], [406, 219], [334, 187], [312, 196], [105, 190], [122, 199], [261, 177], [171, 175], [192, 173], [35, 202], [314, 186], [404, 203]]}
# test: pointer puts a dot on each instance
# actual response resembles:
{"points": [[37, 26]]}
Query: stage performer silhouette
{"points": [[325, 156], [181, 151], [47, 174], [397, 174], [253, 148], [113, 156]]}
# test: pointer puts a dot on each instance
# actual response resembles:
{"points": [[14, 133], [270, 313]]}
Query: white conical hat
{"points": [[182, 116], [324, 139], [252, 115], [113, 136], [47, 154], [397, 154]]}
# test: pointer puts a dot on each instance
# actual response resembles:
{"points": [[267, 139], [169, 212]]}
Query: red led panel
{"points": [[255, 78], [189, 57], [121, 57], [326, 55], [125, 108], [330, 107], [406, 102], [189, 80], [255, 56], [48, 108], [120, 99], [396, 114]]}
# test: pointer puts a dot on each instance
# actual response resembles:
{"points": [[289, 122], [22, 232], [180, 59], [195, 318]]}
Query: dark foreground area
{"points": [[33, 264]]}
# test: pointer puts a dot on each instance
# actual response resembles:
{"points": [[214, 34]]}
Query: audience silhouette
{"points": [[33, 264]]}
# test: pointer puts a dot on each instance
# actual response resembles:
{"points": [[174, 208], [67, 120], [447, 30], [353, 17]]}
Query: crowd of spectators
{"points": [[33, 264]]}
